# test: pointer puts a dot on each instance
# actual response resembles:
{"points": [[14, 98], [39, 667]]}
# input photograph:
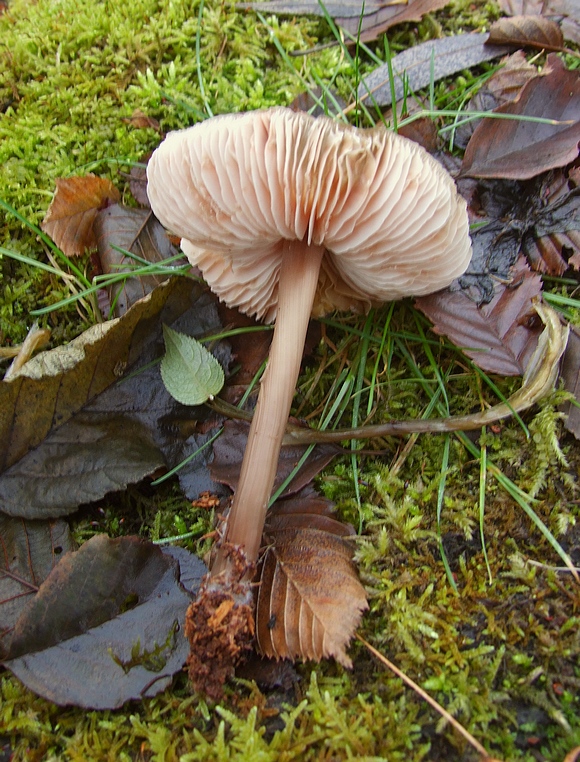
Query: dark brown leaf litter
{"points": [[511, 148], [121, 639]]}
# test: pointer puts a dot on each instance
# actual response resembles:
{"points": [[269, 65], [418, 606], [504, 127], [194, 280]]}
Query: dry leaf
{"points": [[501, 336], [566, 12], [527, 31], [70, 216], [516, 149], [309, 600]]}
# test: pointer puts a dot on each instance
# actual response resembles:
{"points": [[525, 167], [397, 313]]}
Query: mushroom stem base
{"points": [[296, 291]]}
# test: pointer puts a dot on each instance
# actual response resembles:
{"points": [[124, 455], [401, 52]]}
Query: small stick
{"points": [[424, 695]]}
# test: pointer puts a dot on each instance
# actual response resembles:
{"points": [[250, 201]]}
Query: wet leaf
{"points": [[136, 231], [70, 216], [113, 429], [434, 59], [377, 15], [191, 374], [570, 373], [309, 600], [499, 337], [502, 87], [120, 640], [229, 451], [527, 31], [29, 552], [516, 149]]}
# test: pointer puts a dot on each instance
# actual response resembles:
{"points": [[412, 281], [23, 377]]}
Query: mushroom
{"points": [[289, 216]]}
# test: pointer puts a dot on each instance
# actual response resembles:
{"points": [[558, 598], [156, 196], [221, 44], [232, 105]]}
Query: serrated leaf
{"points": [[191, 374], [309, 600]]}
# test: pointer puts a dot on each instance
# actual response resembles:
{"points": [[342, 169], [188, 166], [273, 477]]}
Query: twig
{"points": [[424, 695]]}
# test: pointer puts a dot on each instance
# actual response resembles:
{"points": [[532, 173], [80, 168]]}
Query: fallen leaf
{"points": [[372, 17], [190, 373], [566, 12], [309, 598], [29, 552], [570, 373], [55, 384], [141, 121], [136, 231], [415, 68], [516, 149], [70, 216], [499, 337], [121, 639], [228, 452], [74, 427], [503, 86], [527, 31]]}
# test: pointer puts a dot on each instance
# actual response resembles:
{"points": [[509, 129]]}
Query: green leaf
{"points": [[191, 374]]}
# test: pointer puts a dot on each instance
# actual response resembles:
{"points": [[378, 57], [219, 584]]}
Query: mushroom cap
{"points": [[238, 187]]}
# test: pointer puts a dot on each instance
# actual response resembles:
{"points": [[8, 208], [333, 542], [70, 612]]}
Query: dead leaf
{"points": [[136, 231], [70, 216], [427, 61], [373, 17], [570, 373], [499, 337], [141, 121], [565, 12], [73, 427], [309, 600], [516, 149], [502, 87], [121, 639], [527, 31], [229, 449], [29, 552]]}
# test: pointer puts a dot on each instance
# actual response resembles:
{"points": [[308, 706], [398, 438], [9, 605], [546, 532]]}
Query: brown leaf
{"points": [[500, 336], [121, 639], [570, 373], [309, 600], [566, 12], [137, 231], [29, 552], [372, 16], [229, 451], [502, 87], [70, 216], [434, 59], [141, 121], [516, 149], [527, 31]]}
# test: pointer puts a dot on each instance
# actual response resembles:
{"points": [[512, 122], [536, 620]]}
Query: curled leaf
{"points": [[309, 600], [69, 219]]}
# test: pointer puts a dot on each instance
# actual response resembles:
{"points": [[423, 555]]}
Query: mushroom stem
{"points": [[299, 273]]}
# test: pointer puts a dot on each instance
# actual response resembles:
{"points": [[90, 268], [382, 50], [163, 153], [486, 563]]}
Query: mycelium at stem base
{"points": [[299, 274]]}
